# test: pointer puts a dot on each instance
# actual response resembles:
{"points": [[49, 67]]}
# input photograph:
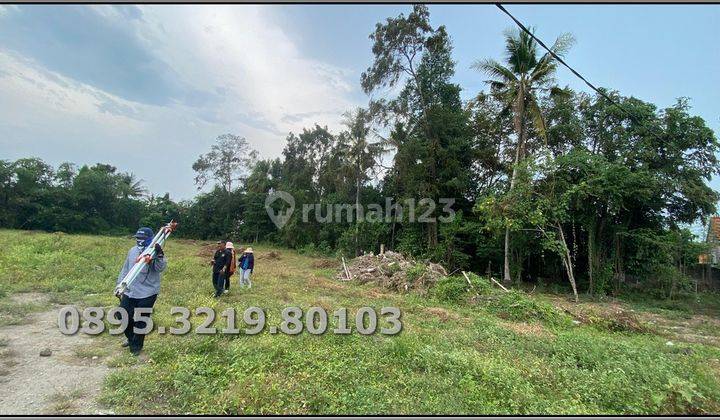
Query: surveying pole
{"points": [[145, 257]]}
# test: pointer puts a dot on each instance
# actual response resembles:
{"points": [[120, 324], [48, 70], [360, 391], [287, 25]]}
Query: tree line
{"points": [[549, 184]]}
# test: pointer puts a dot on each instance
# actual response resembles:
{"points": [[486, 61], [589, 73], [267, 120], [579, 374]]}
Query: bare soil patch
{"points": [[701, 329], [526, 329], [61, 383], [324, 263], [325, 284], [272, 255], [442, 313], [207, 251]]}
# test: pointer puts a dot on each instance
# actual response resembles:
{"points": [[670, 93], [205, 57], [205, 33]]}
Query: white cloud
{"points": [[33, 96], [5, 9], [257, 67], [242, 74]]}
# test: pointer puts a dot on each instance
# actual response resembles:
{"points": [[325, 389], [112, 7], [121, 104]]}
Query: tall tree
{"points": [[518, 84], [230, 160], [362, 155], [428, 113]]}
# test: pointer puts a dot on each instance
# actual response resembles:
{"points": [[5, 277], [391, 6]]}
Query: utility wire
{"points": [[561, 61]]}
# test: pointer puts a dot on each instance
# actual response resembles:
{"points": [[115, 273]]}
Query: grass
{"points": [[64, 403], [504, 354]]}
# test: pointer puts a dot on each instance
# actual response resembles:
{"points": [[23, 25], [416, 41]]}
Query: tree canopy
{"points": [[547, 184]]}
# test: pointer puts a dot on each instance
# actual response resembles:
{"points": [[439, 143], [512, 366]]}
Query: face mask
{"points": [[142, 243]]}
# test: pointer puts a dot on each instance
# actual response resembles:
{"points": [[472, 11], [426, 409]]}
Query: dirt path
{"points": [[63, 383]]}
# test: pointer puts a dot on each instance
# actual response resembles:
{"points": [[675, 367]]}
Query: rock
{"points": [[94, 357], [45, 352], [669, 343]]}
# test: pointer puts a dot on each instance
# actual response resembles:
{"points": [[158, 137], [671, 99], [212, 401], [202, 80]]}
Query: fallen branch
{"points": [[500, 285], [470, 283], [347, 272]]}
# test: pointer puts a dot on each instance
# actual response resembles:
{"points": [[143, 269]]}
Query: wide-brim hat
{"points": [[249, 250], [229, 245]]}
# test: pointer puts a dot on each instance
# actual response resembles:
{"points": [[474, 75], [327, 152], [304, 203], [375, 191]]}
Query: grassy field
{"points": [[505, 353]]}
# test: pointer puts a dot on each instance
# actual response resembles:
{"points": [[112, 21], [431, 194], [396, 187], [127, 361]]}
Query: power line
{"points": [[561, 61]]}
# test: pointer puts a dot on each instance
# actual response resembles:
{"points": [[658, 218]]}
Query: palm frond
{"points": [[533, 109], [560, 92], [547, 63], [520, 50], [562, 44], [496, 85], [495, 69], [543, 72]]}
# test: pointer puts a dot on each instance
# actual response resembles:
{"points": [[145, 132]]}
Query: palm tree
{"points": [[517, 84], [130, 186]]}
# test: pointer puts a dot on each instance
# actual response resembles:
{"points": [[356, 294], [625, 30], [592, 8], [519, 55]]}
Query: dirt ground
{"points": [[63, 383], [696, 328]]}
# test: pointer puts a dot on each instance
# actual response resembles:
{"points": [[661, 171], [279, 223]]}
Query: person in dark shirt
{"points": [[231, 264], [219, 264]]}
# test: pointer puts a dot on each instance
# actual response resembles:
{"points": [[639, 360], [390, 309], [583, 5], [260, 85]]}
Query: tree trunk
{"points": [[432, 234], [506, 271], [357, 212], [393, 211], [567, 261], [432, 226], [518, 120], [618, 266], [519, 262], [591, 258]]}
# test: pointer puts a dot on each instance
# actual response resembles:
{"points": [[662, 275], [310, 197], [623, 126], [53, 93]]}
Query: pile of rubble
{"points": [[392, 271]]}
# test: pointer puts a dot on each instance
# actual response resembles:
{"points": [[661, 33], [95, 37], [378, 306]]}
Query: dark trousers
{"points": [[218, 282], [227, 281], [136, 341]]}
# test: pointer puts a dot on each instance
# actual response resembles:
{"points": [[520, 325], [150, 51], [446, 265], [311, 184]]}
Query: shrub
{"points": [[451, 289], [517, 306], [413, 273], [456, 289]]}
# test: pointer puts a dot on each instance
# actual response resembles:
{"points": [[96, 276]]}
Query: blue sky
{"points": [[149, 88]]}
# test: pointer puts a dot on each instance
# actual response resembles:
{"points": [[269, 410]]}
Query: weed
{"points": [[499, 353]]}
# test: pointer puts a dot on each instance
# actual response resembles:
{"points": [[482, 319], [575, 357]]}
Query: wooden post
{"points": [[382, 249], [347, 272], [501, 286], [470, 283]]}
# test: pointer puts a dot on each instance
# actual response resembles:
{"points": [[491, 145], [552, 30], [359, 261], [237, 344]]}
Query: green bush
{"points": [[455, 289], [414, 273], [312, 250], [451, 289], [517, 306]]}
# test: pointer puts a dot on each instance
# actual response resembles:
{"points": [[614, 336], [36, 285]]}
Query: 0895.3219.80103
{"points": [[315, 321]]}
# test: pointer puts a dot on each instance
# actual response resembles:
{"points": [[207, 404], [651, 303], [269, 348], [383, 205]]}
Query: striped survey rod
{"points": [[142, 261]]}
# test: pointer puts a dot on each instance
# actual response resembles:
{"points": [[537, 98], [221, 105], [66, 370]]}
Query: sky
{"points": [[149, 88]]}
